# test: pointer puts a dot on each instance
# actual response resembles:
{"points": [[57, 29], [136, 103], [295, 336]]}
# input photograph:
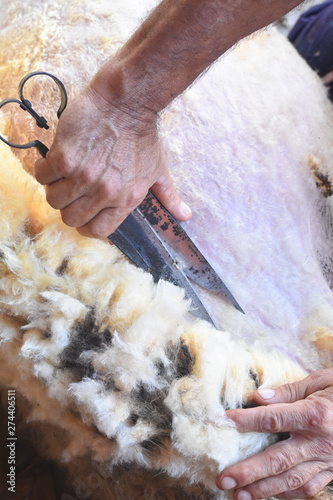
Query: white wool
{"points": [[44, 371], [109, 412], [146, 340], [70, 307]]}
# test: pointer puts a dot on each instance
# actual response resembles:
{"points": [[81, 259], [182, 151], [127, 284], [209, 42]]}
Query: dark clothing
{"points": [[312, 36]]}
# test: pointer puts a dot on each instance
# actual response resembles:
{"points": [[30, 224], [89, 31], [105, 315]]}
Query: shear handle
{"points": [[32, 144], [40, 120], [60, 85]]}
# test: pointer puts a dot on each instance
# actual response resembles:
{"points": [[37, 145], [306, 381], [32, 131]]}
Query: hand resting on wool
{"points": [[299, 466]]}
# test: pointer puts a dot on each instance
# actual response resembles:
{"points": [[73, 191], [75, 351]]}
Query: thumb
{"points": [[165, 191], [288, 393]]}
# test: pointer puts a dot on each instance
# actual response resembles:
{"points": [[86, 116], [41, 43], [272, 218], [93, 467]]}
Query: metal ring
{"points": [[32, 144], [59, 83], [40, 120]]}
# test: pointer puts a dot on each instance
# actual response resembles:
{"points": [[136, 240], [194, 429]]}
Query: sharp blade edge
{"points": [[140, 243], [188, 256]]}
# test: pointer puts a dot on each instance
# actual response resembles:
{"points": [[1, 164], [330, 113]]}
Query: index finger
{"points": [[44, 173], [273, 461], [283, 417]]}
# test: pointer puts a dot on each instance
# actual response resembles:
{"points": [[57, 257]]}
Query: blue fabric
{"points": [[312, 36]]}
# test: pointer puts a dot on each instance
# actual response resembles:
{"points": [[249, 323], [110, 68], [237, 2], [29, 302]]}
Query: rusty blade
{"points": [[140, 243], [188, 256]]}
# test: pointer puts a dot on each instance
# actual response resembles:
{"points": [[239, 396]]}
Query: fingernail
{"points": [[185, 209], [266, 393], [243, 495], [227, 483]]}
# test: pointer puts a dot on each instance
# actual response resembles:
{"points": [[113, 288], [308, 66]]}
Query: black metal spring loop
{"points": [[26, 106]]}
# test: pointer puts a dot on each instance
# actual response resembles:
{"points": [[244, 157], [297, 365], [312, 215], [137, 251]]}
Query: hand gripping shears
{"points": [[150, 237]]}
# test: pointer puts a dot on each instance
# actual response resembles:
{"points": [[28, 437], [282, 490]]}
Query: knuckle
{"points": [[320, 417], [88, 176], [279, 462], [111, 193], [294, 480], [272, 423], [136, 196], [64, 164], [329, 447]]}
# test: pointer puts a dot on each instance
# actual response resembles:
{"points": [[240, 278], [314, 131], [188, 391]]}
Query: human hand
{"points": [[101, 164], [300, 466]]}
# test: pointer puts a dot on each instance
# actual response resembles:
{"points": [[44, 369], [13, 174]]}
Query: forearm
{"points": [[176, 43]]}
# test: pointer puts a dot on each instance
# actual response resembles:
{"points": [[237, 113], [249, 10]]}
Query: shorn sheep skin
{"points": [[125, 385]]}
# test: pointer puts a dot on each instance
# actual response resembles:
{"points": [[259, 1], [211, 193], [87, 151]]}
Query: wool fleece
{"points": [[122, 381]]}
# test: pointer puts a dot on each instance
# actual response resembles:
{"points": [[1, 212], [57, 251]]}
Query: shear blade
{"points": [[182, 248], [140, 243]]}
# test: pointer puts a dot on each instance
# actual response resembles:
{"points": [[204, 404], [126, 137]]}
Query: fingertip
{"points": [[265, 396], [236, 415], [225, 482], [177, 208], [165, 191], [185, 210], [287, 393]]}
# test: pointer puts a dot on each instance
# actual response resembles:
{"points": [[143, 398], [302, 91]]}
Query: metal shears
{"points": [[26, 106], [150, 237]]}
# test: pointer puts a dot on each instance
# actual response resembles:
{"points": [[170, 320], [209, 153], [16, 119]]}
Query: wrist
{"points": [[115, 86]]}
